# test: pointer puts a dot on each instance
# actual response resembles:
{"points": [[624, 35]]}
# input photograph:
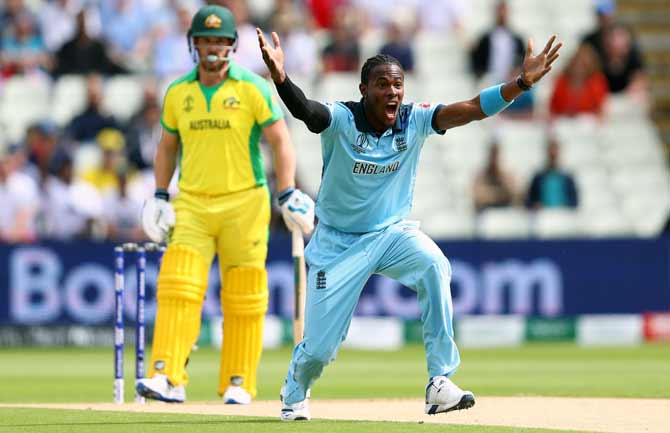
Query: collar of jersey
{"points": [[234, 72], [362, 123]]}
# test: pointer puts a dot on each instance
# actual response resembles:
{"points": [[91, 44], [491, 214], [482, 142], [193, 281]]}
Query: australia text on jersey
{"points": [[209, 124]]}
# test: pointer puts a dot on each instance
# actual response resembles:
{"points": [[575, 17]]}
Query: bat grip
{"points": [[297, 243]]}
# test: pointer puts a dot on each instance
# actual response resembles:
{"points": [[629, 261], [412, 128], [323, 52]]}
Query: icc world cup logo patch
{"points": [[361, 143], [188, 103]]}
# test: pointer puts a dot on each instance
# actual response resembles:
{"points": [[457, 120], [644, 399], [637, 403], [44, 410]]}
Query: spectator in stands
{"points": [[300, 47], [441, 16], [324, 12], [85, 126], [377, 14], [171, 57], [246, 53], [9, 11], [622, 63], [399, 44], [434, 16], [22, 50], [494, 186], [105, 177], [499, 50], [144, 131], [18, 196], [85, 54], [68, 210], [617, 51], [41, 144], [604, 10], [582, 87], [342, 53], [296, 10], [121, 213], [127, 29], [58, 22], [552, 187]]}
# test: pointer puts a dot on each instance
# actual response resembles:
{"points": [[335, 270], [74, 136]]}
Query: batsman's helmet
{"points": [[214, 21]]}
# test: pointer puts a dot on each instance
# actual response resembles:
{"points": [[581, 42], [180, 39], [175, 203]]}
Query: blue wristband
{"points": [[162, 194], [492, 101], [284, 195]]}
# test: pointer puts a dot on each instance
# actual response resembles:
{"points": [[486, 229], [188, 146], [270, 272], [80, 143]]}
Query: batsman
{"points": [[213, 119]]}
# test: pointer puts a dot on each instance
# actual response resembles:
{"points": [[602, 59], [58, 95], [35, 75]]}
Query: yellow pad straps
{"points": [[244, 301], [182, 284]]}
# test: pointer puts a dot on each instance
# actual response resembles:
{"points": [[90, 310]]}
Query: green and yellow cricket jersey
{"points": [[219, 129]]}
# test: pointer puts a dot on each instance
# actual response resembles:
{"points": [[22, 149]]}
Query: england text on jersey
{"points": [[371, 168]]}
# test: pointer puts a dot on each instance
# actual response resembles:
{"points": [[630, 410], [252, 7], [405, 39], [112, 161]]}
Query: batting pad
{"points": [[244, 301], [182, 284]]}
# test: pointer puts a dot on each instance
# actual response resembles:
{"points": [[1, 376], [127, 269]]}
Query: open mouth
{"points": [[391, 109]]}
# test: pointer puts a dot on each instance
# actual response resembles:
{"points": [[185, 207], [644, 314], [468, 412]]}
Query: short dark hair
{"points": [[372, 62]]}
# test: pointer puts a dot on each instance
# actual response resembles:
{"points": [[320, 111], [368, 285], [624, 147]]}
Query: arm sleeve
{"points": [[425, 116], [315, 115]]}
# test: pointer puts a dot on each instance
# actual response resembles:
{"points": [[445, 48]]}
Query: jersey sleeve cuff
{"points": [[271, 120], [433, 121], [167, 128]]}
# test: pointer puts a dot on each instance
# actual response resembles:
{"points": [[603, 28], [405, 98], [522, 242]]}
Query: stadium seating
{"points": [[556, 223], [68, 98], [25, 99], [618, 161], [504, 223], [123, 96]]}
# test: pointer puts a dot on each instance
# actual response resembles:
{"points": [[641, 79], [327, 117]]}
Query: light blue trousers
{"points": [[339, 266]]}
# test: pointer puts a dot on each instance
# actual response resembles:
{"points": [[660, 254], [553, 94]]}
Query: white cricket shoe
{"points": [[442, 395], [236, 395], [295, 412], [159, 388]]}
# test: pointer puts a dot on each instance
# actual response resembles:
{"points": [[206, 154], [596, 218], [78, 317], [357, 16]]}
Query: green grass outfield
{"points": [[41, 375], [73, 421]]}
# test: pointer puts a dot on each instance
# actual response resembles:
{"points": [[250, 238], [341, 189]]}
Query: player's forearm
{"points": [[165, 163], [284, 161], [511, 90], [283, 153], [315, 115], [489, 102]]}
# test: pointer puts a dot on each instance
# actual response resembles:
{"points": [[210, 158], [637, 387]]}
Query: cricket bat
{"points": [[299, 284]]}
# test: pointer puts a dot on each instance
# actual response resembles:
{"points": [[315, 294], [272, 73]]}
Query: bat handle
{"points": [[297, 243]]}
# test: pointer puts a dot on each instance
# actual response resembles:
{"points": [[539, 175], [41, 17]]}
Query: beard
{"points": [[213, 67]]}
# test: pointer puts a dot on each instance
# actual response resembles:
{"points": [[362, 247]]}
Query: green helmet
{"points": [[215, 21]]}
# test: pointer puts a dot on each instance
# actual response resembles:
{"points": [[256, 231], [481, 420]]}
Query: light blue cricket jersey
{"points": [[368, 179]]}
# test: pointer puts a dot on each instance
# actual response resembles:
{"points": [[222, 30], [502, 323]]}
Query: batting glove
{"points": [[158, 217], [297, 209]]}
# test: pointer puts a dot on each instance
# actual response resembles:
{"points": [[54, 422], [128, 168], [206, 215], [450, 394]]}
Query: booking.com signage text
{"points": [[58, 283]]}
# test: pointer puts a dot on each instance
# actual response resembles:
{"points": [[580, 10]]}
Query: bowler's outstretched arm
{"points": [[315, 115], [495, 99]]}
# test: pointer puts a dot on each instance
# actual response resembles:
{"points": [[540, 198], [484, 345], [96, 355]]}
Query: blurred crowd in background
{"points": [[86, 174]]}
